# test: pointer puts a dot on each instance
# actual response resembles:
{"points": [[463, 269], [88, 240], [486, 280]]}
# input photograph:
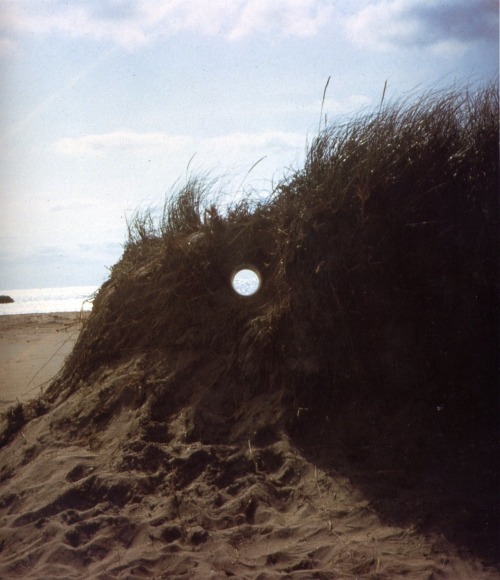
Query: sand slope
{"points": [[94, 489]]}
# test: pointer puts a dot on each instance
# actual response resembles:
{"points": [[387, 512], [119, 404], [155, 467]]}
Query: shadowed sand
{"points": [[173, 507], [32, 350]]}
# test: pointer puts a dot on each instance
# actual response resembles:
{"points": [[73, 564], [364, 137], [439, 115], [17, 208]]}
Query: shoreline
{"points": [[44, 317], [33, 348]]}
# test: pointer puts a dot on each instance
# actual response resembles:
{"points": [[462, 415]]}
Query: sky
{"points": [[108, 106]]}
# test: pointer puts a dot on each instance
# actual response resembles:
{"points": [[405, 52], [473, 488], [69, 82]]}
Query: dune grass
{"points": [[378, 260], [370, 349]]}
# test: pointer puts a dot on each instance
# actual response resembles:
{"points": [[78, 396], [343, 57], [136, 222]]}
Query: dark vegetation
{"points": [[14, 421], [374, 338]]}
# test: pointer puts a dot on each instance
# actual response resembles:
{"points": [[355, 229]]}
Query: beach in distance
{"points": [[32, 350]]}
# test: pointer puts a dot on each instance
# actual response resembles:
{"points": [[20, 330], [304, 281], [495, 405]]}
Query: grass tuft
{"points": [[378, 260]]}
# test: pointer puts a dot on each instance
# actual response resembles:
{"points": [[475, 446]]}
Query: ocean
{"points": [[76, 298], [44, 300]]}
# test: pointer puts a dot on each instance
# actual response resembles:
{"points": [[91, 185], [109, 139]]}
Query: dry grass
{"points": [[378, 261], [371, 346]]}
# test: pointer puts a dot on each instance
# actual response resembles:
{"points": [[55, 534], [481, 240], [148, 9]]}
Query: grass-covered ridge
{"points": [[370, 350], [392, 221], [378, 259]]}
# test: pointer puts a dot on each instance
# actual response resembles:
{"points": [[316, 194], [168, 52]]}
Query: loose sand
{"points": [[32, 350], [135, 500]]}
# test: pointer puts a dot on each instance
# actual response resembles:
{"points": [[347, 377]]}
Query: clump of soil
{"points": [[339, 423]]}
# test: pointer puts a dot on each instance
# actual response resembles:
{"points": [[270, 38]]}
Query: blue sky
{"points": [[105, 102]]}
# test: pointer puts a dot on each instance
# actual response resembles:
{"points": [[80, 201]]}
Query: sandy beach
{"points": [[32, 350]]}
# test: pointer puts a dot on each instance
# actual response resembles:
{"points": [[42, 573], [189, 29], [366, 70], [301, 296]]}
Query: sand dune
{"points": [[136, 499], [342, 422]]}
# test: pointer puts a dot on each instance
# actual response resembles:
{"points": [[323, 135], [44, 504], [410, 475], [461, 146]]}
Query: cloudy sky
{"points": [[105, 105]]}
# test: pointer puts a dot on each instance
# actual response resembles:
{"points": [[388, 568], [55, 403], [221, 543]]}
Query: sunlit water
{"points": [[44, 300], [76, 298], [246, 282]]}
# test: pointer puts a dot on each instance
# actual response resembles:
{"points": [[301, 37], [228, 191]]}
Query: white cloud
{"points": [[381, 26], [75, 20], [103, 144], [446, 25], [131, 23], [300, 18], [211, 18], [157, 142], [264, 142]]}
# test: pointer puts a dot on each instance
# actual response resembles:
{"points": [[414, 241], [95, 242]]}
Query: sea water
{"points": [[44, 300], [76, 298]]}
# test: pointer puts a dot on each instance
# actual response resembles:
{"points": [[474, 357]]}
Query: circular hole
{"points": [[246, 281]]}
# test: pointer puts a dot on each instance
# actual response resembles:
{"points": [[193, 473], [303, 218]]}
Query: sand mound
{"points": [[340, 423]]}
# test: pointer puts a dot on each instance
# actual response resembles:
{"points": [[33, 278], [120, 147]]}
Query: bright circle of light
{"points": [[246, 281]]}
